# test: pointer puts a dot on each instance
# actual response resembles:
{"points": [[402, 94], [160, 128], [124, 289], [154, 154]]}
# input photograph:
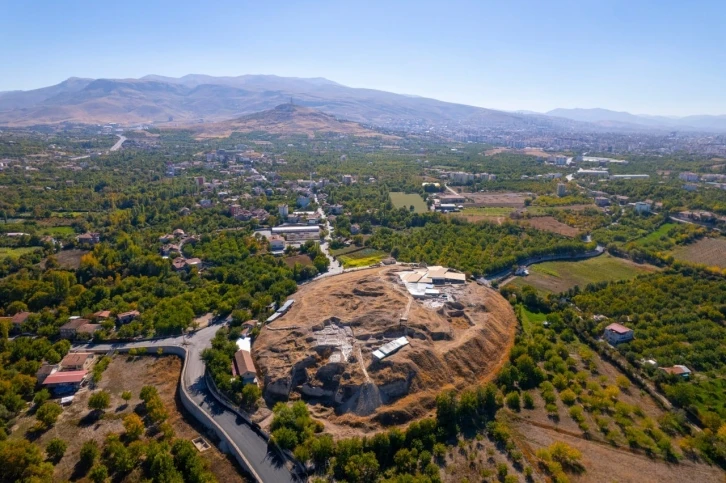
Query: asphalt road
{"points": [[265, 463], [119, 143]]}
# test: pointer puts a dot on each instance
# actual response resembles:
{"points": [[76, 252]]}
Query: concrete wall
{"points": [[199, 413]]}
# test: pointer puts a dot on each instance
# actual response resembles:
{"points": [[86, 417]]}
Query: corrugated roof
{"points": [[68, 377]]}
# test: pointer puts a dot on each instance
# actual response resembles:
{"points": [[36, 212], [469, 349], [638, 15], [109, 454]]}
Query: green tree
{"points": [[134, 426], [126, 396], [251, 393], [56, 449], [362, 468], [89, 453], [98, 474], [48, 413], [99, 401]]}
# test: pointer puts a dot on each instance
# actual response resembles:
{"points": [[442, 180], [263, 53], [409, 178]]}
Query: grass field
{"points": [[59, 230], [405, 200], [655, 236], [15, 252], [706, 251], [530, 319], [301, 259], [556, 277], [362, 258]]}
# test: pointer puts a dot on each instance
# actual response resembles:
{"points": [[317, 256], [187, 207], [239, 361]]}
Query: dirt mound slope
{"points": [[326, 357]]}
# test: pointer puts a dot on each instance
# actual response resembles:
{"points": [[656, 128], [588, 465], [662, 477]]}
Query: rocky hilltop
{"points": [[322, 350]]}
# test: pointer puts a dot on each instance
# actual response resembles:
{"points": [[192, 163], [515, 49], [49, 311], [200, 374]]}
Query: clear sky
{"points": [[655, 57]]}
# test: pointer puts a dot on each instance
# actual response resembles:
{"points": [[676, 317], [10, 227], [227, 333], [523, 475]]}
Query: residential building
{"points": [[354, 229], [87, 330], [303, 201], [347, 179], [616, 333], [688, 176], [77, 361], [642, 207], [126, 317], [244, 368], [89, 238], [336, 209], [102, 315], [69, 330], [277, 243], [602, 201], [677, 370], [17, 320], [45, 371]]}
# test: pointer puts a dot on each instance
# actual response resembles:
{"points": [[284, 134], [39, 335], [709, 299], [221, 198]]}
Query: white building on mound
{"points": [[421, 282]]}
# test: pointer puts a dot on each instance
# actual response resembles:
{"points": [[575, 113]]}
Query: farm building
{"points": [[616, 334]]}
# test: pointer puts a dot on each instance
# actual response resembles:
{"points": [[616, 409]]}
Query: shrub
{"points": [[126, 396], [577, 414], [41, 396], [251, 393], [623, 382], [512, 401], [568, 397], [528, 401]]}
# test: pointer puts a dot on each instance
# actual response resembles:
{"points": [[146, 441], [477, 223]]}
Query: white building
{"points": [[616, 334], [642, 207]]}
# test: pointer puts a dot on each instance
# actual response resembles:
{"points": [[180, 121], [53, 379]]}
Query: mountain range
{"points": [[201, 98], [195, 98], [625, 120]]}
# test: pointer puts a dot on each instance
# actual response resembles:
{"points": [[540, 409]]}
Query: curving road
{"points": [[266, 465], [119, 143]]}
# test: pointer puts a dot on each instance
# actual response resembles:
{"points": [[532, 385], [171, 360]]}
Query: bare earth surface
{"points": [[455, 344], [549, 223]]}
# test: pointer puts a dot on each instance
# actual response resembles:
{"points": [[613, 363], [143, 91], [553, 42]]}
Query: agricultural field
{"points": [[476, 214], [509, 200], [301, 259], [706, 251], [59, 231], [15, 253], [549, 223], [406, 200], [560, 276], [362, 258]]}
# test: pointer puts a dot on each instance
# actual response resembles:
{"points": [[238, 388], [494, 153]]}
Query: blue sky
{"points": [[655, 57]]}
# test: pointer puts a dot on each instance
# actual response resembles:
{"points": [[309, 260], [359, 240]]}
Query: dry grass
{"points": [[509, 200], [549, 223]]}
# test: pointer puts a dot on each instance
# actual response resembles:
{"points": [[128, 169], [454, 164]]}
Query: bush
{"points": [[512, 401], [528, 401], [56, 449], [126, 396], [568, 397], [623, 382]]}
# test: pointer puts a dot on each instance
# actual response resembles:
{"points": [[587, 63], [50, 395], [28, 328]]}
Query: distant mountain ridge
{"points": [[200, 98], [606, 117], [196, 98]]}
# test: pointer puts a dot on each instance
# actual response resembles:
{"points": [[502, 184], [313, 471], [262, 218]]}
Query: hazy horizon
{"points": [[507, 56]]}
